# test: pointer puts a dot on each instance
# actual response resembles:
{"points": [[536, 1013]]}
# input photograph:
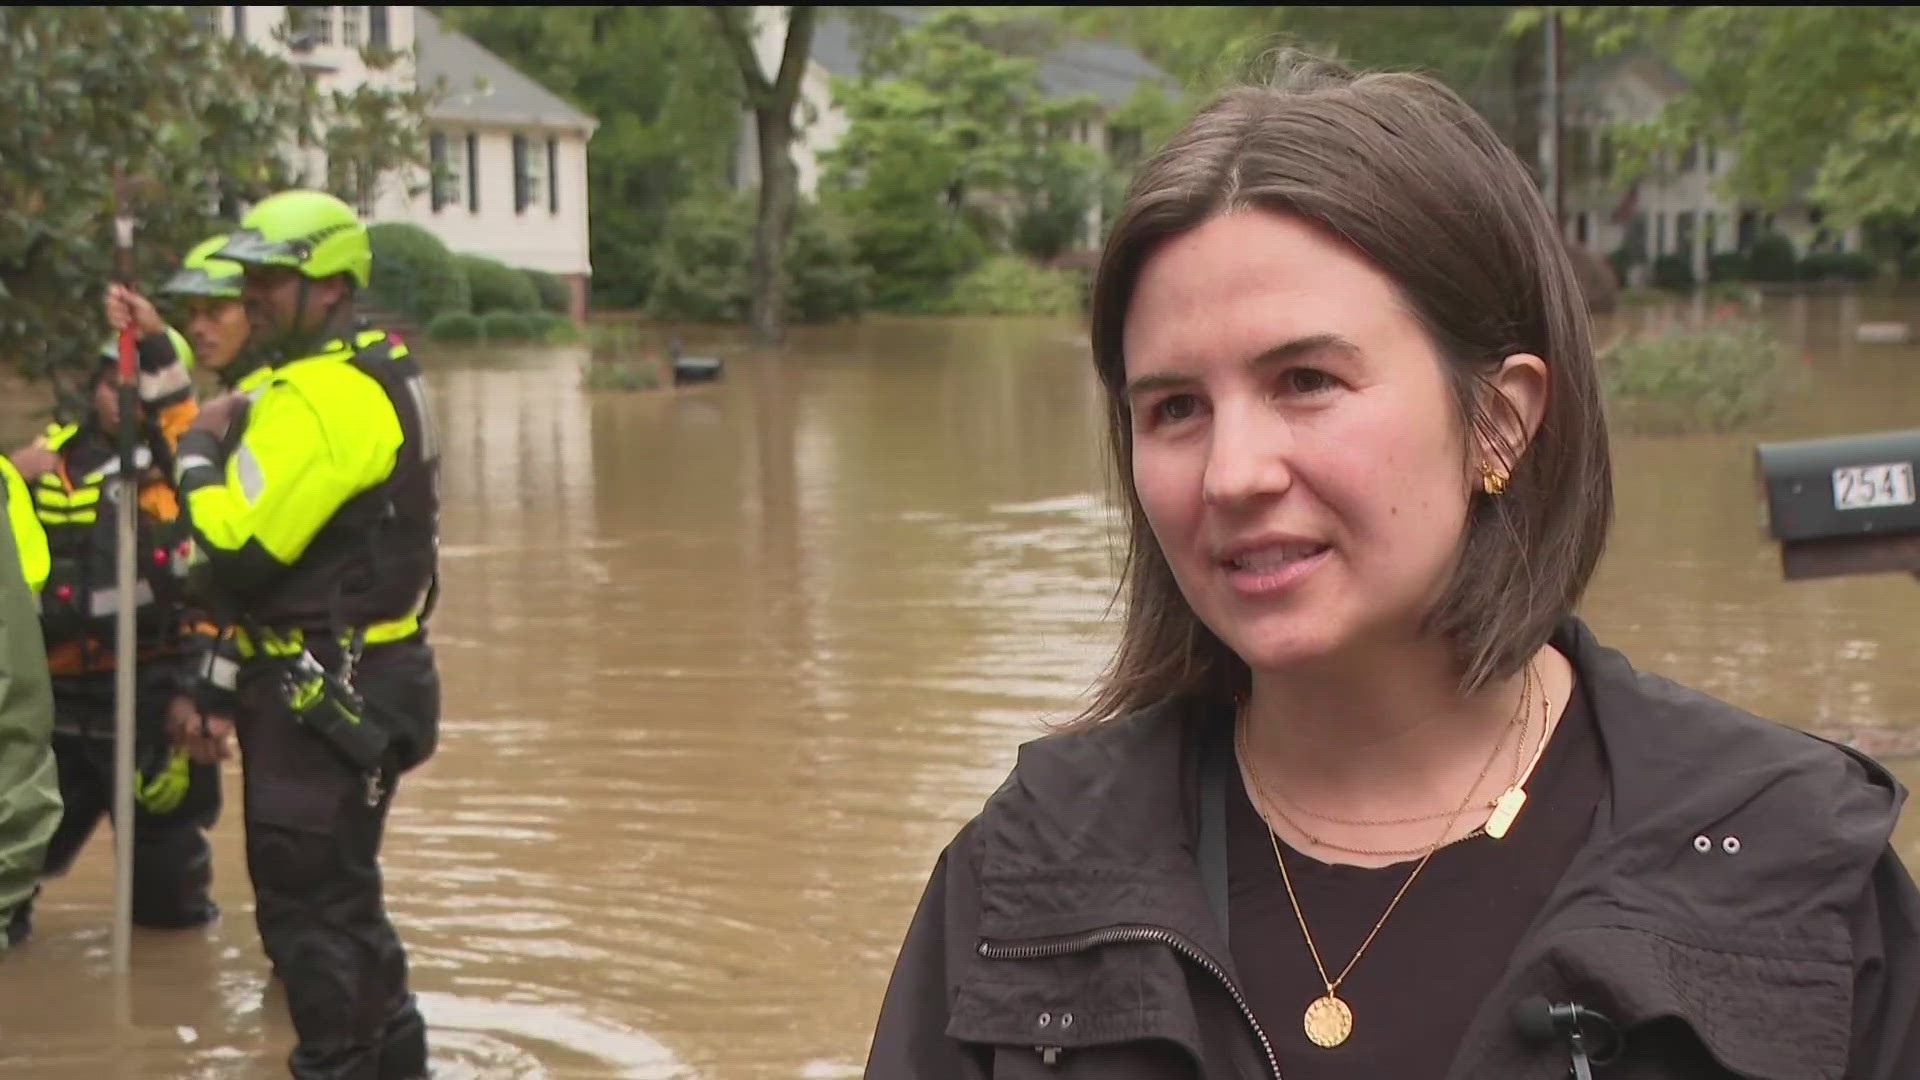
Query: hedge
{"points": [[454, 326], [506, 326], [552, 289], [414, 274], [498, 287]]}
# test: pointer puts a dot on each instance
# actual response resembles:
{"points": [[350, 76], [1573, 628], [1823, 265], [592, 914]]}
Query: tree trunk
{"points": [[767, 303], [772, 101]]}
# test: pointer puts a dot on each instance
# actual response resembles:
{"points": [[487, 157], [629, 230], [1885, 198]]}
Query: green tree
{"points": [[1816, 103], [662, 88], [952, 148], [200, 122]]}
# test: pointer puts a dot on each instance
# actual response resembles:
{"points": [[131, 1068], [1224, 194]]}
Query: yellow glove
{"points": [[162, 792]]}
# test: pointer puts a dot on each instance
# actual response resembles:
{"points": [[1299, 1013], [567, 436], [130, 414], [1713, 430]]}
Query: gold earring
{"points": [[1492, 481]]}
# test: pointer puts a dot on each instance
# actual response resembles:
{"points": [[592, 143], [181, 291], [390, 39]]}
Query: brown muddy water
{"points": [[725, 668]]}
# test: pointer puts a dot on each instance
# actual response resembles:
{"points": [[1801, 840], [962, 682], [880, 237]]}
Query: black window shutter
{"points": [[553, 175], [239, 21], [377, 27], [437, 157], [473, 172], [519, 174]]}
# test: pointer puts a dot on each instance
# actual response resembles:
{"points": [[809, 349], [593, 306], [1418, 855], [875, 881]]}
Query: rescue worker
{"points": [[74, 477], [29, 778], [314, 504], [208, 290]]}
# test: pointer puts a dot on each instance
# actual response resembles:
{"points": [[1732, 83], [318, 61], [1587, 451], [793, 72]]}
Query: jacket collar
{"points": [[1098, 828]]}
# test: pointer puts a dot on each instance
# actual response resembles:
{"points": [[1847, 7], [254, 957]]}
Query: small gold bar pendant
{"points": [[1505, 811]]}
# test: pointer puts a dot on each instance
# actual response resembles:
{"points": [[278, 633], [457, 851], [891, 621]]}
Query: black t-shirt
{"points": [[1424, 977]]}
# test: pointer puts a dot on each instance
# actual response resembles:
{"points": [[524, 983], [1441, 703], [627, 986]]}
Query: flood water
{"points": [[725, 668]]}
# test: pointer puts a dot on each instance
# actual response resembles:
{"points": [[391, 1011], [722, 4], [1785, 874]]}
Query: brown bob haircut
{"points": [[1407, 173]]}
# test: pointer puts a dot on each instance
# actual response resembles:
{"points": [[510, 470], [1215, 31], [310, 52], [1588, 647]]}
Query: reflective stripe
{"points": [[166, 382], [429, 441], [191, 461], [223, 672], [246, 469], [104, 602], [142, 458], [293, 642]]}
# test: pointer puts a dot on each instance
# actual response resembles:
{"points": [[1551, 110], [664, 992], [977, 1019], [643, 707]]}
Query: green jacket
{"points": [[29, 782]]}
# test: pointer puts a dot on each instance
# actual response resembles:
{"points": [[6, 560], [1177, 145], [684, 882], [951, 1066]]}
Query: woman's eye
{"points": [[1307, 381], [1176, 407]]}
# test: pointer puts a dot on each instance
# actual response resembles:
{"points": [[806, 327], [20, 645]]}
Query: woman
{"points": [[1360, 798]]}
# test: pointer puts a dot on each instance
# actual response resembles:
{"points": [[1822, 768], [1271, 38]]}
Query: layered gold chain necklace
{"points": [[1329, 1019]]}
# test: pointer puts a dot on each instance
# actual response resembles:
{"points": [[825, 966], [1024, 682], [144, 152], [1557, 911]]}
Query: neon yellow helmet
{"points": [[308, 231], [201, 274]]}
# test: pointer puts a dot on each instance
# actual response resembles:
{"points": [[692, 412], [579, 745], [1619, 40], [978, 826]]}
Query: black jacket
{"points": [[1066, 932]]}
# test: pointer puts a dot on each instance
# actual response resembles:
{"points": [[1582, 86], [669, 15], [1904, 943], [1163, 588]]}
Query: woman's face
{"points": [[1295, 444]]}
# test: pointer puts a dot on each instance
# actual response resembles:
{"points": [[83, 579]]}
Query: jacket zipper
{"points": [[1117, 935]]}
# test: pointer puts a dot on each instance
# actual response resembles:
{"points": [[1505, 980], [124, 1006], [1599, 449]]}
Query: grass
{"points": [[626, 375], [1724, 375]]}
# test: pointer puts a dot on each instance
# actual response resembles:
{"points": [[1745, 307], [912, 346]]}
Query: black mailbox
{"points": [[1850, 499]]}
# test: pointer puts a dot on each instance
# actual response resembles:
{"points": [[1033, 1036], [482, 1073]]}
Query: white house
{"points": [[1110, 73], [513, 154], [1680, 207]]}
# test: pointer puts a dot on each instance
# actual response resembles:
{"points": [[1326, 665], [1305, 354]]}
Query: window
{"points": [[553, 175], [1713, 157], [206, 19], [313, 22], [1683, 226], [1659, 234], [239, 21], [1580, 226], [377, 35], [529, 175], [447, 176], [350, 16], [1689, 157], [473, 172]]}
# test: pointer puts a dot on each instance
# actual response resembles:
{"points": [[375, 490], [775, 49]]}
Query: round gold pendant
{"points": [[1329, 1021]]}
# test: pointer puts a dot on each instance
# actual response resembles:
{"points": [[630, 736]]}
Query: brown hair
{"points": [[1407, 173]]}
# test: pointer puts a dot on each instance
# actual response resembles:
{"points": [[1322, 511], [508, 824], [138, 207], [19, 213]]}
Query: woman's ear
{"points": [[1519, 391]]}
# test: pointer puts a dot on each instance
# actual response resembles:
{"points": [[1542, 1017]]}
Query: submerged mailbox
{"points": [[1844, 505]]}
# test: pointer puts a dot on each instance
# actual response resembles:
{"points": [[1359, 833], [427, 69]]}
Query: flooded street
{"points": [[725, 668]]}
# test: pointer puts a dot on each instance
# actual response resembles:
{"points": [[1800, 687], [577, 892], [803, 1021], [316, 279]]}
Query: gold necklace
{"points": [[1508, 805], [1519, 747], [1329, 1020]]}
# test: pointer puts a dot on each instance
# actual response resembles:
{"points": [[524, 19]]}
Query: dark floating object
{"points": [[692, 369]]}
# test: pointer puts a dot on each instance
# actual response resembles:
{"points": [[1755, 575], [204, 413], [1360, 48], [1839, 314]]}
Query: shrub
{"points": [[825, 279], [555, 295], [553, 329], [1771, 259], [1598, 282], [1673, 271], [704, 268], [414, 274], [620, 375], [1837, 266], [1727, 266], [454, 326], [1011, 285], [498, 287], [1622, 262], [1710, 378], [506, 326]]}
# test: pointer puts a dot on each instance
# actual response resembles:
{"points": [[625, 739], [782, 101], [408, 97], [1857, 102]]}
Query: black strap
{"points": [[1216, 757]]}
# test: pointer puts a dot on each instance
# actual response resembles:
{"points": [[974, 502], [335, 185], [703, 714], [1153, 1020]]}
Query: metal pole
{"points": [[125, 647], [1550, 140]]}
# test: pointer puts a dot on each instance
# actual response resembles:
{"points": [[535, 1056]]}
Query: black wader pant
{"points": [[172, 862], [313, 846]]}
